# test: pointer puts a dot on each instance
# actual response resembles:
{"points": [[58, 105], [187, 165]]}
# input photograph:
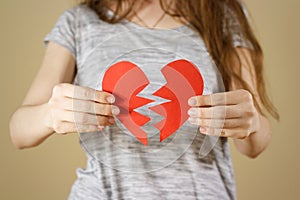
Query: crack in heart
{"points": [[125, 81]]}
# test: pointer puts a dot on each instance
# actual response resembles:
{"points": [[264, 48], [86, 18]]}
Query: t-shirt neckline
{"points": [[110, 13]]}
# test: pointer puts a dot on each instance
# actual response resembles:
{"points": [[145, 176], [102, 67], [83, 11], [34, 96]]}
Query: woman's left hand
{"points": [[228, 114]]}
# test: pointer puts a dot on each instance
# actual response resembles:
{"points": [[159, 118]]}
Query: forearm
{"points": [[256, 143], [28, 126]]}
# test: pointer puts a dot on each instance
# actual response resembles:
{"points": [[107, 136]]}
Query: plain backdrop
{"points": [[48, 171]]}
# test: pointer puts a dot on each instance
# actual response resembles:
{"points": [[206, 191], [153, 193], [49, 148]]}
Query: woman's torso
{"points": [[119, 166]]}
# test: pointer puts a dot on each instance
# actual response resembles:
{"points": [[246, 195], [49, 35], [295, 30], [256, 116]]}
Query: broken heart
{"points": [[125, 81]]}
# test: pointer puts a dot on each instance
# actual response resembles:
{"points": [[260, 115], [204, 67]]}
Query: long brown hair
{"points": [[210, 19]]}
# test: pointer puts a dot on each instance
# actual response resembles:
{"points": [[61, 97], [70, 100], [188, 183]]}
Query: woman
{"points": [[92, 38]]}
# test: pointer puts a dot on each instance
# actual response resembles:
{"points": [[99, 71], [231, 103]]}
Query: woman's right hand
{"points": [[79, 109]]}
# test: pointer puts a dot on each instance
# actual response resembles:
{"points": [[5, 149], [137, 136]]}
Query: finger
{"points": [[84, 93], [91, 107], [232, 133], [217, 123], [217, 112], [83, 118], [68, 127], [217, 99]]}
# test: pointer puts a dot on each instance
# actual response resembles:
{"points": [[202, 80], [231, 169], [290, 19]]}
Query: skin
{"points": [[234, 113], [48, 107]]}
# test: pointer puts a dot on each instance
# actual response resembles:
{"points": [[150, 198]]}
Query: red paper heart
{"points": [[126, 80]]}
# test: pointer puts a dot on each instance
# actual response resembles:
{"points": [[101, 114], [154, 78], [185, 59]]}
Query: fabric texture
{"points": [[118, 166]]}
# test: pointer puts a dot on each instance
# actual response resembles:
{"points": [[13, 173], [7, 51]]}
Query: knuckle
{"points": [[201, 112], [96, 108], [242, 91], [87, 106], [213, 113], [247, 109], [218, 99], [66, 86], [93, 108], [210, 99], [246, 95], [221, 112], [63, 85], [86, 93], [249, 112], [248, 124], [51, 102], [57, 90], [58, 126], [249, 97], [58, 87]]}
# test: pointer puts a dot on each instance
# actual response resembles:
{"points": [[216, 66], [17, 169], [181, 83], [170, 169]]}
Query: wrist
{"points": [[255, 125]]}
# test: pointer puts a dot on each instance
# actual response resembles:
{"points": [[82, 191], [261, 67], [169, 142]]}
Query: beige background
{"points": [[47, 172]]}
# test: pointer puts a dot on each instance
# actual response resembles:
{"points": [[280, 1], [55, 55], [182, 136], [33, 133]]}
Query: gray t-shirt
{"points": [[186, 165]]}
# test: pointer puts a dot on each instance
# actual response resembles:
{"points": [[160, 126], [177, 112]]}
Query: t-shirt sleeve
{"points": [[238, 39], [63, 32]]}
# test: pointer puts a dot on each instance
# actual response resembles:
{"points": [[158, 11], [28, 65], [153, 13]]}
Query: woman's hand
{"points": [[229, 114], [79, 109]]}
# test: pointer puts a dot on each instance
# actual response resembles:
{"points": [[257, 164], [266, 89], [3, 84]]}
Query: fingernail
{"points": [[192, 112], [192, 102], [115, 111], [111, 99], [111, 120], [202, 129]]}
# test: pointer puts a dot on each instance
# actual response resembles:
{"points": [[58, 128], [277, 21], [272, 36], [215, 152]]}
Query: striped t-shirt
{"points": [[186, 164]]}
